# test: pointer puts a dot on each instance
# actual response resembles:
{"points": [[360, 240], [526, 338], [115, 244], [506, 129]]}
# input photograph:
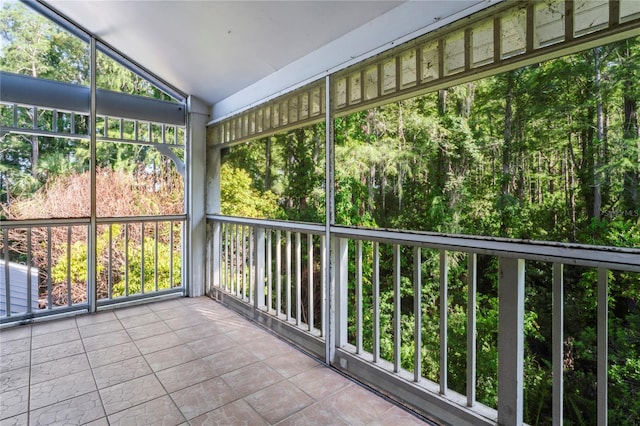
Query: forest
{"points": [[548, 152]]}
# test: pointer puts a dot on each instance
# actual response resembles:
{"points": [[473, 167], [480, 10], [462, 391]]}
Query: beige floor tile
{"points": [[121, 371], [132, 311], [246, 335], [101, 341], [57, 390], [316, 414], [397, 416], [59, 368], [357, 405], [230, 360], [100, 328], [170, 357], [15, 346], [75, 411], [165, 305], [14, 333], [52, 326], [270, 402], [158, 412], [112, 354], [51, 353], [100, 422], [181, 311], [187, 322], [96, 318], [202, 331], [19, 420], [268, 346], [14, 379], [211, 345], [157, 343], [13, 361], [295, 362], [203, 397], [54, 338], [148, 330], [14, 402], [252, 378], [235, 413], [129, 394], [185, 375], [140, 320], [319, 382]]}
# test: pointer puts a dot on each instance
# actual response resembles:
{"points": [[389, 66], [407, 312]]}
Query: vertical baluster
{"points": [[7, 276], [310, 282], [259, 265], [341, 294], [49, 264], [558, 342], [472, 271], [236, 255], [358, 296], [29, 283], [126, 259], [417, 314], [225, 249], [54, 120], [269, 266], [243, 265], [155, 257], [69, 301], [288, 277], [444, 303], [298, 279], [603, 345], [110, 264], [397, 314], [278, 272], [376, 301], [142, 257], [251, 266]]}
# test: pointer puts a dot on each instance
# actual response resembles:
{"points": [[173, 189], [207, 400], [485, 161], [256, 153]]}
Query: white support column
{"points": [[196, 196], [510, 341]]}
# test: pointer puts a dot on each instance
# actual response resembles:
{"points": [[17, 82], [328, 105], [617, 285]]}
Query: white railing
{"points": [[47, 259], [246, 265], [287, 258]]}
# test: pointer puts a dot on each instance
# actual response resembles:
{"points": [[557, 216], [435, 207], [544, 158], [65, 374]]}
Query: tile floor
{"points": [[176, 362]]}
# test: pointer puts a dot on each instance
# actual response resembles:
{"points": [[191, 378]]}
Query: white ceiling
{"points": [[217, 49]]}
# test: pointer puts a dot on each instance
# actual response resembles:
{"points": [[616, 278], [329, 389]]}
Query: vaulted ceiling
{"points": [[218, 50]]}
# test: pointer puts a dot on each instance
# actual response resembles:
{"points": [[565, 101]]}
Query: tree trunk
{"points": [[597, 173]]}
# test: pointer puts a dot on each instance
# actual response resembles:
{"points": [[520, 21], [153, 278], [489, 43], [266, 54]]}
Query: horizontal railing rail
{"points": [[370, 338]]}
